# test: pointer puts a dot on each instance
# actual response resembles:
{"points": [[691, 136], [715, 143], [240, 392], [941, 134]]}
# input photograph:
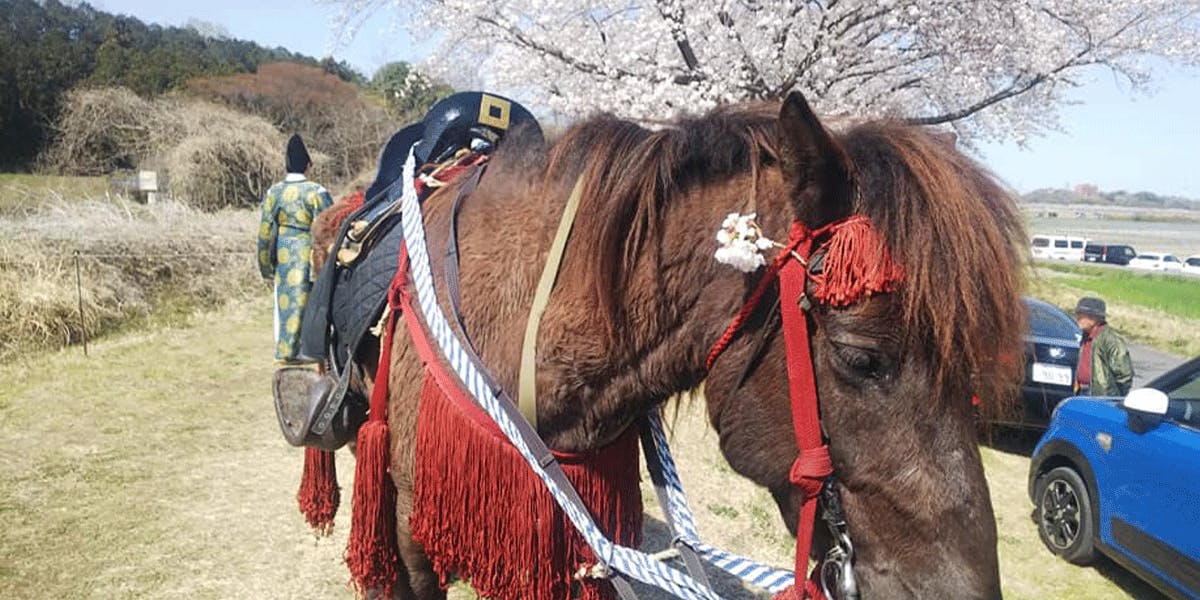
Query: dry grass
{"points": [[136, 263], [154, 469]]}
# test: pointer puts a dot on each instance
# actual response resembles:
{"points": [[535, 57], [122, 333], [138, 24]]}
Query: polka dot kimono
{"points": [[285, 254]]}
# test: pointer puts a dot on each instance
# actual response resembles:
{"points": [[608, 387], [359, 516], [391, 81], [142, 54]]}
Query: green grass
{"points": [[21, 190], [1177, 295], [1028, 571], [154, 469]]}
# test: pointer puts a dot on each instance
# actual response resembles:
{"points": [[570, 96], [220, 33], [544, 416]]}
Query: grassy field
{"points": [[1157, 310], [1176, 295], [154, 469], [21, 191]]}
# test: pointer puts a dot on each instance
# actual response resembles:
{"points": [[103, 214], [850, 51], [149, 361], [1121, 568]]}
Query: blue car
{"points": [[1121, 476]]}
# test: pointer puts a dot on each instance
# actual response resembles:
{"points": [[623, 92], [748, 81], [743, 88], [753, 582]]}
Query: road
{"points": [[1149, 363], [1047, 261]]}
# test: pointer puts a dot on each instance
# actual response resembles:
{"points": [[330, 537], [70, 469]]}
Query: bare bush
{"points": [[212, 156], [334, 116], [107, 129]]}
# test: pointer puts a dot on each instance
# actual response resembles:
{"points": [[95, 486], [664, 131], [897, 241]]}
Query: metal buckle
{"points": [[837, 570]]}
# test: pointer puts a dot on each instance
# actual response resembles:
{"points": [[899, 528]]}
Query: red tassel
{"points": [[480, 512], [857, 264], [319, 493], [372, 554]]}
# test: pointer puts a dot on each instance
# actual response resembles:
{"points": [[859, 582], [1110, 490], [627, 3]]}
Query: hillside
{"points": [[47, 48], [1091, 196]]}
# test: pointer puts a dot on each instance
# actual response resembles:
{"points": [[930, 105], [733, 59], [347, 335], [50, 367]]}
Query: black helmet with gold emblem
{"points": [[472, 120]]}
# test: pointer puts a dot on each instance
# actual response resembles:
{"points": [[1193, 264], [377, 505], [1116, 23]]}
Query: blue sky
{"points": [[1112, 138]]}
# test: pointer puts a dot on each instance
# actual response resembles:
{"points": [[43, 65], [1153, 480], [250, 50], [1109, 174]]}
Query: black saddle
{"points": [[350, 292]]}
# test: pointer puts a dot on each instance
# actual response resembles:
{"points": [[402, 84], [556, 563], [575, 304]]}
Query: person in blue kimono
{"points": [[285, 245]]}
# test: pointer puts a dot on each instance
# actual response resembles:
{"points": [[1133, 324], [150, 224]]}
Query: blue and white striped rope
{"points": [[757, 574], [628, 561]]}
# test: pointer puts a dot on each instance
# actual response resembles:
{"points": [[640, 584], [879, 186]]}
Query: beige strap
{"points": [[527, 389]]}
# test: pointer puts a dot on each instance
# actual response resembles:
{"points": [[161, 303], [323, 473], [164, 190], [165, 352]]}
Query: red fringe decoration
{"points": [[481, 513], [372, 554], [857, 264], [319, 494]]}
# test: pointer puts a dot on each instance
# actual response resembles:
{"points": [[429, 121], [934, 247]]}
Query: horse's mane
{"points": [[631, 171], [957, 236]]}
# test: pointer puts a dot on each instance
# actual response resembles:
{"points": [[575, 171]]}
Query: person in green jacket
{"points": [[285, 245], [1104, 365]]}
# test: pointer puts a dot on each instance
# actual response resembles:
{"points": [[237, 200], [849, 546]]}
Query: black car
{"points": [[1116, 254], [1051, 355]]}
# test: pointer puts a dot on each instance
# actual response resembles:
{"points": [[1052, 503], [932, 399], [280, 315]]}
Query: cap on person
{"points": [[1091, 307], [297, 155]]}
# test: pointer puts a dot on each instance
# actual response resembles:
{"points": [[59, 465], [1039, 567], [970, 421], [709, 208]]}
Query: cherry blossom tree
{"points": [[990, 69]]}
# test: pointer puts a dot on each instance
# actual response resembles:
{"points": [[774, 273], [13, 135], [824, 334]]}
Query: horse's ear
{"points": [[947, 137], [811, 157]]}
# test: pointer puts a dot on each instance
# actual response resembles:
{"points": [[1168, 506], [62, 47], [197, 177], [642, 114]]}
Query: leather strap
{"points": [[334, 402], [452, 256], [527, 389]]}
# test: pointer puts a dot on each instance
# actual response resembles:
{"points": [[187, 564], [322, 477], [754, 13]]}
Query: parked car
{"points": [[1156, 261], [1058, 247], [1191, 264], [1121, 476], [1116, 254], [1051, 355]]}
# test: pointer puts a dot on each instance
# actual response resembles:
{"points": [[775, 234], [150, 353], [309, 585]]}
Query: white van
{"points": [[1058, 247]]}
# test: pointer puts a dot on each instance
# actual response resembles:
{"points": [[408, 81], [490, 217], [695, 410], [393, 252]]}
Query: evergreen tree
{"points": [[47, 47]]}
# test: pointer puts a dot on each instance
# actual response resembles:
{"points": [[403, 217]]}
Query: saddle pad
{"points": [[360, 292]]}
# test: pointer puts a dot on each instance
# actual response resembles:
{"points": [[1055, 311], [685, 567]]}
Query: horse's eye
{"points": [[861, 361]]}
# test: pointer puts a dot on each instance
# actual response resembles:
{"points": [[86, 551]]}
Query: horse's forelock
{"points": [[956, 232]]}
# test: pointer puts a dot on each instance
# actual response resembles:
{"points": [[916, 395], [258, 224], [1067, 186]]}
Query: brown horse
{"points": [[640, 301]]}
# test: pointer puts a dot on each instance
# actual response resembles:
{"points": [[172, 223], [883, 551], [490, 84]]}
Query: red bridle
{"points": [[848, 276]]}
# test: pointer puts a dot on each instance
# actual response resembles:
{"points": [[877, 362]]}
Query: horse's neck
{"points": [[590, 385]]}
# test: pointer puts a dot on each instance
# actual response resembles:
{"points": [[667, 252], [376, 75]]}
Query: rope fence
{"points": [[162, 254]]}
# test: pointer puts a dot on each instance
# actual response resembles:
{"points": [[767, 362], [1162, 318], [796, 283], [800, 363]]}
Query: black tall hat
{"points": [[297, 155]]}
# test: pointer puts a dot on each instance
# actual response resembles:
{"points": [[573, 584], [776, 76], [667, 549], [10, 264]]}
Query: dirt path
{"points": [[154, 469]]}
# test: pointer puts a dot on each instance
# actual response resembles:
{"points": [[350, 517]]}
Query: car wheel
{"points": [[1064, 516]]}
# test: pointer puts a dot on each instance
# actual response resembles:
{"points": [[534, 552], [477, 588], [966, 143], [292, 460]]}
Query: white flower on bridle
{"points": [[742, 243]]}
